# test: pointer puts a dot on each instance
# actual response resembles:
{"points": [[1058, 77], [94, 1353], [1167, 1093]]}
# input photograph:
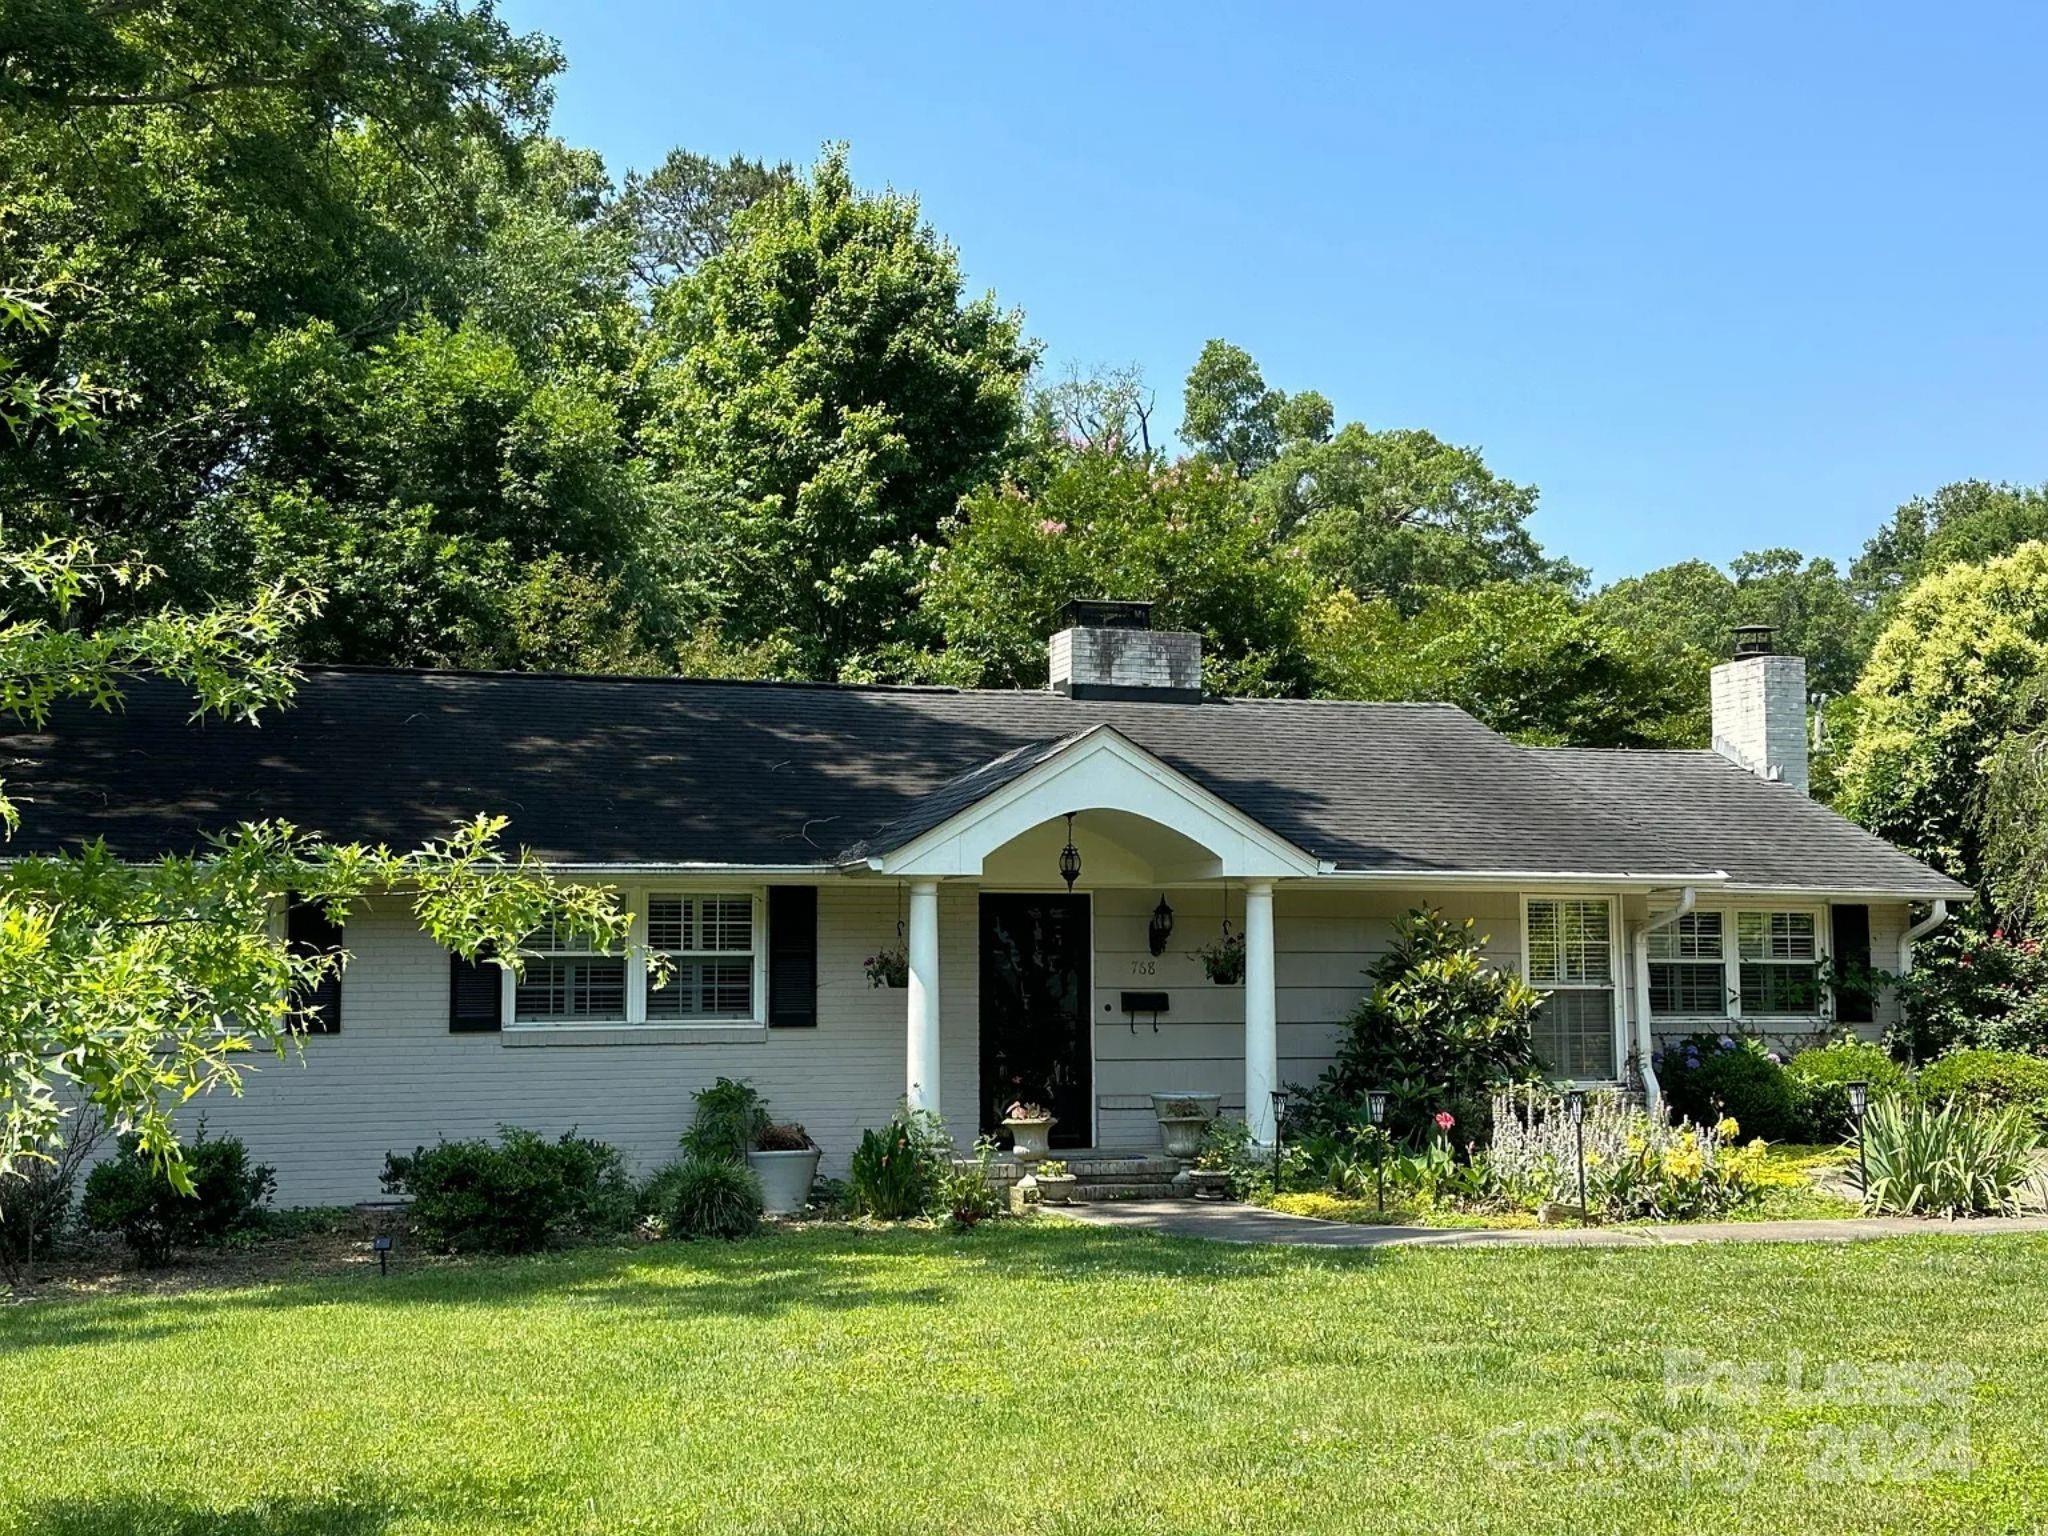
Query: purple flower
{"points": [[1726, 1043]]}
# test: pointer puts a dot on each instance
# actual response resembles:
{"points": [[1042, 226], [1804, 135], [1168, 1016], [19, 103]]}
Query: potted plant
{"points": [[785, 1159], [1183, 1117], [1223, 960], [888, 967], [1029, 1126], [1225, 1144], [1055, 1183]]}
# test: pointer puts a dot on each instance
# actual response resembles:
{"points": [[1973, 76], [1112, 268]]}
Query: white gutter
{"points": [[1653, 1091], [1933, 920]]}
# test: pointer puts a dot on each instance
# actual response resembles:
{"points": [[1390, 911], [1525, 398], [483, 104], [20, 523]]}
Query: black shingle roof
{"points": [[1762, 834], [671, 771]]}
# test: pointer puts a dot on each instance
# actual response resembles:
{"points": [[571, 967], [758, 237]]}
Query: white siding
{"points": [[394, 1077], [1325, 940]]}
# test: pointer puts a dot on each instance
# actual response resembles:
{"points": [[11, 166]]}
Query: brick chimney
{"points": [[1760, 709], [1109, 650]]}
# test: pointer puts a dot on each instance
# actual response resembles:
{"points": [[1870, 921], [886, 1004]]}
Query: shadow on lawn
{"points": [[828, 1268], [360, 1508]]}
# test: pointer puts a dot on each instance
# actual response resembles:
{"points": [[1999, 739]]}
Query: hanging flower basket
{"points": [[1224, 960], [889, 968]]}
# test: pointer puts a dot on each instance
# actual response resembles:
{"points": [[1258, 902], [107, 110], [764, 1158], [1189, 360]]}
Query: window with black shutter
{"points": [[793, 956], [476, 995], [309, 931], [1855, 1002]]}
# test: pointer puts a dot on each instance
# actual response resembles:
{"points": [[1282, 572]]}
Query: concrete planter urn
{"points": [[1031, 1133], [1183, 1117], [1056, 1188], [786, 1178], [1209, 1183]]}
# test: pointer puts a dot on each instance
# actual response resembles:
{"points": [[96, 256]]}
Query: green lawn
{"points": [[1042, 1378]]}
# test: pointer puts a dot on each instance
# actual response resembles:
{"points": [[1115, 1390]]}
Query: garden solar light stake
{"points": [[1575, 1106], [1376, 1111], [1859, 1101]]}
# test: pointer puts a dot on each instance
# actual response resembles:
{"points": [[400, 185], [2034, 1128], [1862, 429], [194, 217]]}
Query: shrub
{"points": [[36, 1200], [1978, 990], [1709, 1077], [1442, 1030], [1989, 1080], [730, 1118], [518, 1196], [1637, 1165], [713, 1197], [131, 1194], [897, 1171], [1820, 1081], [968, 1195], [1947, 1160]]}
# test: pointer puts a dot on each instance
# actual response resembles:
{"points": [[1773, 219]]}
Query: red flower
{"points": [[1445, 1120]]}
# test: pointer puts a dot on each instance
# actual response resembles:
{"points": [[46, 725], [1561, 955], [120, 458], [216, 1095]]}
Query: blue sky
{"points": [[1713, 279]]}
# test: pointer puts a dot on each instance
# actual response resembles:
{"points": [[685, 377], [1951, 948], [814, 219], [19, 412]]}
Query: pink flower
{"points": [[1051, 525], [1445, 1120]]}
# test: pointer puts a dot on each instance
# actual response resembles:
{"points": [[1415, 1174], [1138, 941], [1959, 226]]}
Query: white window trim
{"points": [[1614, 974], [1731, 968], [636, 953]]}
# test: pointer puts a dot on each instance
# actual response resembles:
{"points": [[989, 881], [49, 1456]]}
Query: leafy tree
{"points": [[680, 214], [1227, 412], [1525, 658], [1970, 521], [1953, 676], [1808, 602], [131, 987], [824, 399], [1183, 536]]}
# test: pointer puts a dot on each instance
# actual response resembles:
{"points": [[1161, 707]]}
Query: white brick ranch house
{"points": [[769, 838]]}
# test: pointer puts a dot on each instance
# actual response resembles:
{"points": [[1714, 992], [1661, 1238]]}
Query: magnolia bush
{"points": [[1637, 1165]]}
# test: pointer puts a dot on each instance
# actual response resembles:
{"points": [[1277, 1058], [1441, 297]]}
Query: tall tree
{"points": [[1955, 674], [1807, 601], [825, 397], [679, 215], [1227, 412], [1526, 658], [1970, 520], [1184, 536]]}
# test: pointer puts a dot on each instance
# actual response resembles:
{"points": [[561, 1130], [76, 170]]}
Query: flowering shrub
{"points": [[1970, 988], [1636, 1165], [1707, 1076]]}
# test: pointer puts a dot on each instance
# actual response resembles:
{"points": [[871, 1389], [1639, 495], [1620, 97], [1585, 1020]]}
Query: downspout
{"points": [[1936, 916], [1653, 1092]]}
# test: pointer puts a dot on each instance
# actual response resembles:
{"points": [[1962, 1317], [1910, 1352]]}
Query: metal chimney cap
{"points": [[1105, 613], [1755, 639]]}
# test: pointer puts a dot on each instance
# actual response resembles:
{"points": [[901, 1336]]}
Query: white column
{"points": [[922, 1053], [1261, 1014]]}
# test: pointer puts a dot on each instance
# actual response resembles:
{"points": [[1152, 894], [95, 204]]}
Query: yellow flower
{"points": [[1728, 1129]]}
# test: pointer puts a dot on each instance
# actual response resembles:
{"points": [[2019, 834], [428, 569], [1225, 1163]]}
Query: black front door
{"points": [[1034, 1011]]}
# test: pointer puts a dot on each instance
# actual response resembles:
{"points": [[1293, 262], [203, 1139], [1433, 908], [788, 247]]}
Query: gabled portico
{"points": [[1136, 822]]}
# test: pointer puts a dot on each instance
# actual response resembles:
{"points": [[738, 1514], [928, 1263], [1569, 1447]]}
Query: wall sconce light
{"points": [[1070, 857], [1160, 929]]}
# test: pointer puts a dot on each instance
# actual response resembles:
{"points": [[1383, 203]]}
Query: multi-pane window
{"points": [[709, 942], [1688, 968], [1779, 954], [1571, 958], [565, 982]]}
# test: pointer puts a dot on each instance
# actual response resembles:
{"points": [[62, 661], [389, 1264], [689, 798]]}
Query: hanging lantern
{"points": [[1161, 927], [1070, 856]]}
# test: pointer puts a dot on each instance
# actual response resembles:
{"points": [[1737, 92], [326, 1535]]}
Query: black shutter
{"points": [[793, 956], [1853, 1004], [309, 931], [476, 995]]}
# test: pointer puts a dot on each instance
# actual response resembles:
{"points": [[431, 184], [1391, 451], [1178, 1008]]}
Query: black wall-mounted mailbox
{"points": [[1144, 1002]]}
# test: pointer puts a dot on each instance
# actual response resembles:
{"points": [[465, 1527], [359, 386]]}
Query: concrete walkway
{"points": [[1222, 1222]]}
